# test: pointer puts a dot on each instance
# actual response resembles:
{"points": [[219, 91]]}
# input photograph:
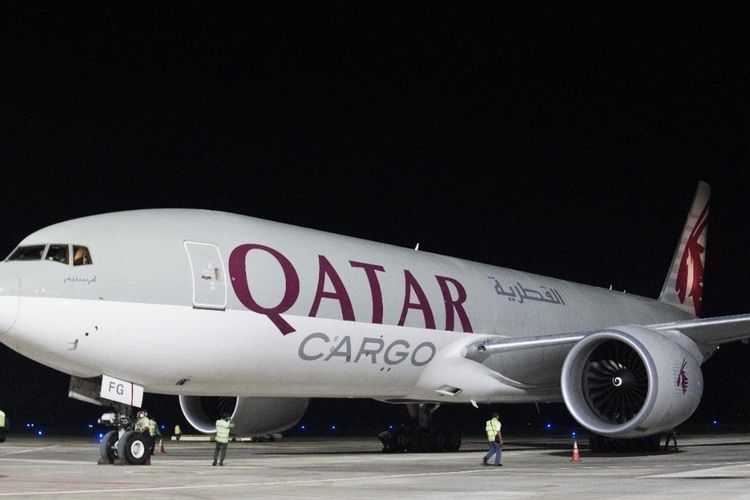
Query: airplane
{"points": [[251, 317]]}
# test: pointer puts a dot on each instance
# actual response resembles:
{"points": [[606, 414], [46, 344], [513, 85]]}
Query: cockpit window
{"points": [[81, 256], [58, 253], [31, 252]]}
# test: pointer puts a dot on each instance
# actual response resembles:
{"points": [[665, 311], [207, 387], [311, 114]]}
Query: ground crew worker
{"points": [[2, 426], [152, 429], [495, 438], [223, 425], [142, 425], [177, 432], [671, 436]]}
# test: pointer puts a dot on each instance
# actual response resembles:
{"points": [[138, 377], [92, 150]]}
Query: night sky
{"points": [[562, 140]]}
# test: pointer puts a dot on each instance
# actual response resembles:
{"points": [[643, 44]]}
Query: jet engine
{"points": [[251, 416], [631, 381]]}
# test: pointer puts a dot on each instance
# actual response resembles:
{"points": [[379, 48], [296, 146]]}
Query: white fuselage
{"points": [[206, 303]]}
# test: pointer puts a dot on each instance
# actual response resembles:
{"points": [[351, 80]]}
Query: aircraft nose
{"points": [[9, 292]]}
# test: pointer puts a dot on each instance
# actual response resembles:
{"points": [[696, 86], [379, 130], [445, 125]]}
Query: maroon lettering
{"points": [[326, 269], [375, 291], [410, 283], [454, 306], [241, 285]]}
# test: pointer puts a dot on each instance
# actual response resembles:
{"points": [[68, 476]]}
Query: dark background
{"points": [[565, 140]]}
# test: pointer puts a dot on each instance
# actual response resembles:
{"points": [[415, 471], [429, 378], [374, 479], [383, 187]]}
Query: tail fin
{"points": [[683, 287]]}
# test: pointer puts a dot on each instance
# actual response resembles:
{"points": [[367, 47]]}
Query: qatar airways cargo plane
{"points": [[232, 312]]}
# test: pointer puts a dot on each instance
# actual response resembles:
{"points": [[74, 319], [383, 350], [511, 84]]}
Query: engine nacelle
{"points": [[251, 416], [630, 381]]}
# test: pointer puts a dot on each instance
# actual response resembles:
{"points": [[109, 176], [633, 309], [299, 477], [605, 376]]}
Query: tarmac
{"points": [[709, 466]]}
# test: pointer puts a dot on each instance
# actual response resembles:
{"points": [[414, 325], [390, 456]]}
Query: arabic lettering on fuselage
{"points": [[520, 294], [80, 279], [452, 292]]}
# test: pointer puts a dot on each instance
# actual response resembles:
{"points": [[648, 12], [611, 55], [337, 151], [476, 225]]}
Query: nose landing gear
{"points": [[123, 445]]}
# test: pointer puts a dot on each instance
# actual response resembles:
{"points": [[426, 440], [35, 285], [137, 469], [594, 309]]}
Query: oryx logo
{"points": [[682, 380], [690, 273]]}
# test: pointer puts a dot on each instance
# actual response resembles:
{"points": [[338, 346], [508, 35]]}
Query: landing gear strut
{"points": [[419, 435]]}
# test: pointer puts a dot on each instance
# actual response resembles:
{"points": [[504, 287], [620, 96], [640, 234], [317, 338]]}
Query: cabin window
{"points": [[31, 252], [81, 256], [58, 253]]}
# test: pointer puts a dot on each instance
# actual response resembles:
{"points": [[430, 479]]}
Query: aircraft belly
{"points": [[181, 350]]}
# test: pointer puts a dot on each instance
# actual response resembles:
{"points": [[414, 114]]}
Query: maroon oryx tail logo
{"points": [[690, 272], [682, 380]]}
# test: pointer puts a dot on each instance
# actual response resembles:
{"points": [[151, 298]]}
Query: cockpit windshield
{"points": [[32, 252], [55, 252], [58, 253]]}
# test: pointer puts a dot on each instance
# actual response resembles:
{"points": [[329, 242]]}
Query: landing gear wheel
{"points": [[133, 448], [107, 448], [401, 440], [422, 440], [452, 441], [437, 440]]}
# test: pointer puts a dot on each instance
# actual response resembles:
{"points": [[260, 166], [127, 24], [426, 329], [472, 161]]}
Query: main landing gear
{"points": [[123, 445], [419, 435], [602, 444]]}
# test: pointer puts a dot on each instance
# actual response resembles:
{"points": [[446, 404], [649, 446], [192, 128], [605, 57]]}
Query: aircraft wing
{"points": [[711, 331], [497, 345], [534, 362]]}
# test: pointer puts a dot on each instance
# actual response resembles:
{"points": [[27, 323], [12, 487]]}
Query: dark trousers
{"points": [[495, 449], [671, 436], [220, 447]]}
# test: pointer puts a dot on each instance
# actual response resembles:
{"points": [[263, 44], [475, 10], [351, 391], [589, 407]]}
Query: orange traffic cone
{"points": [[161, 446], [576, 455]]}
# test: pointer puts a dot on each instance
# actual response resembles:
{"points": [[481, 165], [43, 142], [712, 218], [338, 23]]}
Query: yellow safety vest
{"points": [[493, 427], [222, 430], [152, 428], [2, 418], [177, 430], [142, 424]]}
